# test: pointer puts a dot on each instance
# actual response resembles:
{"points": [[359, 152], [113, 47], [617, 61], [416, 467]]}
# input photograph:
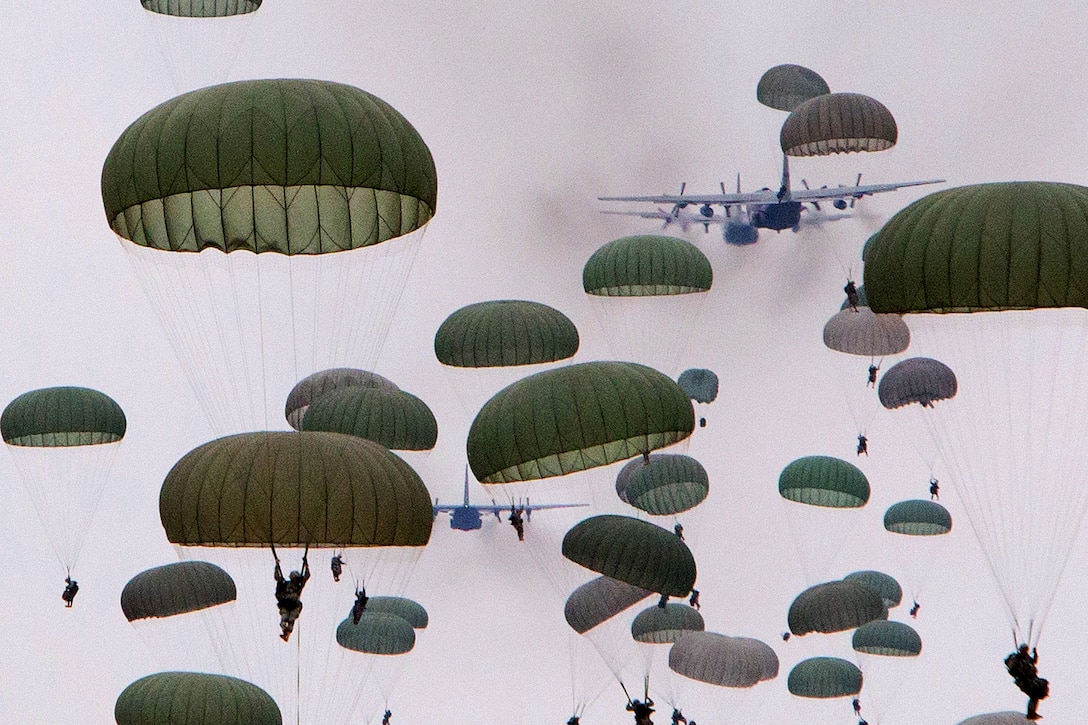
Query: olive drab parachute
{"points": [[664, 485], [647, 292], [557, 421], [63, 439], [883, 584], [194, 698], [295, 489], [599, 600], [920, 380], [505, 333], [887, 639], [837, 123], [991, 278], [824, 677], [663, 625], [312, 387], [179, 588], [377, 633], [633, 551], [835, 607], [784, 87], [1006, 717], [410, 611], [314, 492], [396, 419], [918, 517], [724, 661], [271, 223], [821, 495]]}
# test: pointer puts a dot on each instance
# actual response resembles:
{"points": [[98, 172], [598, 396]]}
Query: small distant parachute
{"points": [[666, 484], [784, 87], [407, 609], [824, 677], [663, 625], [883, 584], [394, 418], [835, 607], [201, 8], [918, 517], [717, 659], [377, 633], [633, 551], [179, 588], [921, 380], [598, 600], [700, 384], [312, 387], [862, 332], [824, 481], [887, 639], [574, 418], [837, 123], [505, 333], [195, 698], [63, 439]]}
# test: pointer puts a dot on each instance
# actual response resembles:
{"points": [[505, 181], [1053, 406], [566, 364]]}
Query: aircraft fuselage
{"points": [[784, 215], [466, 518]]}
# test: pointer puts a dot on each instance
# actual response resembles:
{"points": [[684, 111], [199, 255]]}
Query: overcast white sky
{"points": [[531, 112]]}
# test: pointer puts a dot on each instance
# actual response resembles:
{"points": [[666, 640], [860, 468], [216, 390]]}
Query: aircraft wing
{"points": [[496, 509], [442, 509], [855, 192], [659, 214], [763, 196]]}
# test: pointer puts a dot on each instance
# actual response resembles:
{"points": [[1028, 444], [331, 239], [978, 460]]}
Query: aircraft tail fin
{"points": [[784, 190], [466, 484]]}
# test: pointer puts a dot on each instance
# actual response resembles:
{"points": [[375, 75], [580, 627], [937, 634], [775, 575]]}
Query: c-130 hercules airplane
{"points": [[745, 213], [469, 517]]}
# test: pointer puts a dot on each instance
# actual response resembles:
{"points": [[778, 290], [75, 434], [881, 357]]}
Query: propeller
{"points": [[815, 204], [680, 204]]}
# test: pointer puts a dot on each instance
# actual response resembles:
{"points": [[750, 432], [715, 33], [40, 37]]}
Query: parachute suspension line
{"points": [[263, 387]]}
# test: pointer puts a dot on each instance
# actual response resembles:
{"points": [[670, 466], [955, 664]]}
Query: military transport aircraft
{"points": [[469, 517]]}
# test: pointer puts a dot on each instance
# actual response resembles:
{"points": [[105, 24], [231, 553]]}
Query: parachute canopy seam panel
{"points": [[167, 698], [504, 333], [838, 123], [201, 8], [647, 265], [62, 416]]}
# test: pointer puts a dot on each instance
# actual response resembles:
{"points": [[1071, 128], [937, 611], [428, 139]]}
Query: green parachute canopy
{"points": [[723, 661], [1003, 246], [835, 607], [294, 489], [785, 87], [179, 588], [824, 677], [883, 584], [918, 517], [657, 625], [288, 166], [410, 611], [61, 417], [887, 639], [838, 123], [824, 481], [921, 380], [397, 420], [194, 698], [647, 265], [575, 418], [377, 633], [669, 483], [312, 387], [700, 384], [633, 551], [201, 8], [863, 332], [503, 333], [598, 600]]}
